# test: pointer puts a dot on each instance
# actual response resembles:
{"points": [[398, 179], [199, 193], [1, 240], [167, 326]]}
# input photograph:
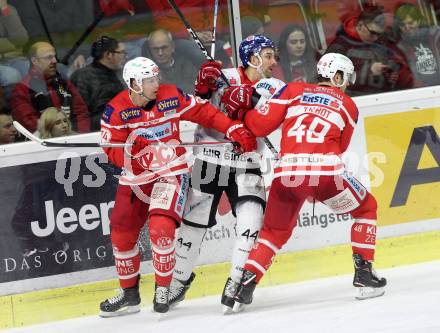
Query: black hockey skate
{"points": [[126, 302], [160, 301], [228, 295], [178, 290], [245, 291], [368, 283]]}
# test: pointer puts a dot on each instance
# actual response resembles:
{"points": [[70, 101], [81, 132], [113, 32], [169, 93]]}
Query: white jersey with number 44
{"points": [[266, 88]]}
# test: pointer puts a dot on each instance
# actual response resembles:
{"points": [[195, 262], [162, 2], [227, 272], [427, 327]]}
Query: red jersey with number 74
{"points": [[317, 123]]}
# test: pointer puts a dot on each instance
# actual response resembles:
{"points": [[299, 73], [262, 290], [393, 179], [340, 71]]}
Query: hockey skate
{"points": [[160, 301], [126, 302], [228, 295], [178, 290], [366, 280], [245, 291]]}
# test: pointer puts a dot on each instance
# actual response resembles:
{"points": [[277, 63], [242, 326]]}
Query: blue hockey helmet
{"points": [[253, 45]]}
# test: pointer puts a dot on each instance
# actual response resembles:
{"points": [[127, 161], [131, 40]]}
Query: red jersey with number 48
{"points": [[317, 125]]}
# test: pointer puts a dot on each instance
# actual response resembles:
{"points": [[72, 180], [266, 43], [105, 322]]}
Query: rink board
{"points": [[406, 188], [70, 302]]}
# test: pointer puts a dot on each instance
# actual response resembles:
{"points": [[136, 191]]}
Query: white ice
{"points": [[411, 304]]}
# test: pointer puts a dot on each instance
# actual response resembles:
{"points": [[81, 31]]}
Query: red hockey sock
{"points": [[162, 229], [363, 238], [260, 258], [127, 266]]}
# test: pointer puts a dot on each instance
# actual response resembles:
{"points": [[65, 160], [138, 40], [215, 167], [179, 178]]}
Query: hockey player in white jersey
{"points": [[217, 170]]}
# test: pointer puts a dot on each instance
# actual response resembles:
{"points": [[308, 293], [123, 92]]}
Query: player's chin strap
{"points": [[140, 93], [258, 67]]}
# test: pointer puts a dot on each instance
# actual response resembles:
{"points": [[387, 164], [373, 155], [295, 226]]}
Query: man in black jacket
{"points": [[98, 82]]}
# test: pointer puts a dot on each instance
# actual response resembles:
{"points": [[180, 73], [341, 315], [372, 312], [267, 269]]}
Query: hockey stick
{"points": [[194, 36], [46, 143], [205, 52], [214, 29], [81, 39], [43, 22]]}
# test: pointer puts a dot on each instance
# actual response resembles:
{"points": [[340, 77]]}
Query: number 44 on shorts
{"points": [[248, 234]]}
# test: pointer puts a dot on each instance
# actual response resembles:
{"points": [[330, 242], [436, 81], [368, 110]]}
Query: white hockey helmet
{"points": [[138, 69], [331, 63]]}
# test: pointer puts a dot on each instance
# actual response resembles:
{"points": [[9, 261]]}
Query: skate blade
{"points": [[368, 292], [123, 312], [227, 310], [238, 307], [174, 305], [159, 316]]}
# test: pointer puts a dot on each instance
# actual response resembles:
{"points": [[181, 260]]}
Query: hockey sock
{"points": [[127, 266], [363, 238], [249, 222], [162, 229], [188, 242], [260, 258]]}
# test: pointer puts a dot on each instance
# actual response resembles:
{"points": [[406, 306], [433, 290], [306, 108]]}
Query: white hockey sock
{"points": [[188, 242], [249, 223]]}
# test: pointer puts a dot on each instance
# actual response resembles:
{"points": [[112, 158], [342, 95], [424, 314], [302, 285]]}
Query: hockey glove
{"points": [[237, 101], [239, 134], [206, 82], [139, 149]]}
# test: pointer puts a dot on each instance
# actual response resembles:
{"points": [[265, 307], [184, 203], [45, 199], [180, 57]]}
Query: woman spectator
{"points": [[419, 43], [297, 57], [53, 123]]}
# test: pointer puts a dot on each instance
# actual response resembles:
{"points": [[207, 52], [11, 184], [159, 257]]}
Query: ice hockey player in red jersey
{"points": [[154, 183], [317, 122]]}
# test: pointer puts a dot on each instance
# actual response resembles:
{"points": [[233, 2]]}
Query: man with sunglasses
{"points": [[379, 66]]}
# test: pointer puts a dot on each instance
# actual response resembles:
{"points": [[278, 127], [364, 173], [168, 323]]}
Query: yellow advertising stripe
{"points": [[70, 302], [406, 187]]}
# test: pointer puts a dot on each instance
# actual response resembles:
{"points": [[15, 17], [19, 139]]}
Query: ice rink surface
{"points": [[411, 304]]}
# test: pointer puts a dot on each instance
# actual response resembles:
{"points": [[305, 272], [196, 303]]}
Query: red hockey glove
{"points": [[237, 100], [238, 133], [137, 157], [206, 81]]}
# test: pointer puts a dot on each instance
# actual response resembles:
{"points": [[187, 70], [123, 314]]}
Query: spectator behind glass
{"points": [[173, 70], [379, 65], [199, 14], [297, 58], [44, 87], [419, 43], [52, 124], [99, 82], [8, 133], [12, 38]]}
